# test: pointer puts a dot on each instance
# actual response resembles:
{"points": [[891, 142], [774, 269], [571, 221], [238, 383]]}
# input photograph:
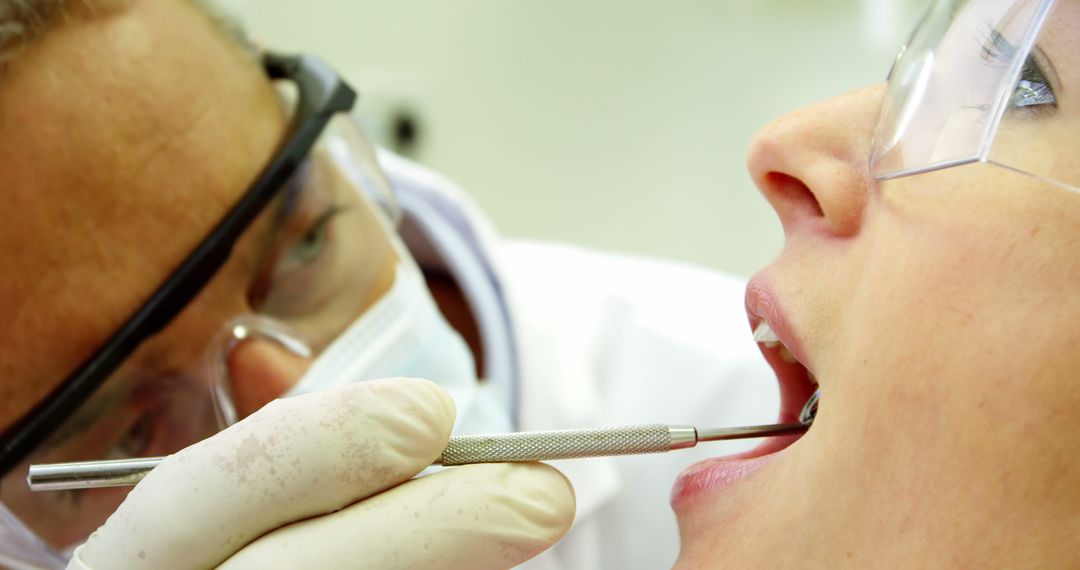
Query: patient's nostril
{"points": [[794, 192]]}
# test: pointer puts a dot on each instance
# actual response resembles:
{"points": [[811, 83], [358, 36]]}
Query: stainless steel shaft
{"points": [[89, 474], [566, 444]]}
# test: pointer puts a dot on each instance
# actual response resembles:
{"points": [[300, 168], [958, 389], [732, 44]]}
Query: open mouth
{"points": [[797, 384]]}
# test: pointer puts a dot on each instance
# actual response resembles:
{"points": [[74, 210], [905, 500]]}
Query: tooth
{"points": [[765, 335], [786, 355]]}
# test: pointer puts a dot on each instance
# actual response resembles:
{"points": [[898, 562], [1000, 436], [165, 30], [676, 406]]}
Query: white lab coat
{"points": [[578, 338]]}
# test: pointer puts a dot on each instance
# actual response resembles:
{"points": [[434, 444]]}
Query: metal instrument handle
{"points": [[495, 448], [566, 444]]}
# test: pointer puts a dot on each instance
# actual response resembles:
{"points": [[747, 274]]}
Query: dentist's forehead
{"points": [[123, 138]]}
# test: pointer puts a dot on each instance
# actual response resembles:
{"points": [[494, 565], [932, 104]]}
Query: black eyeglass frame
{"points": [[322, 94]]}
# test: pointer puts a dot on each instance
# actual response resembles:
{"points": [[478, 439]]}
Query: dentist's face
{"points": [[124, 137], [939, 313]]}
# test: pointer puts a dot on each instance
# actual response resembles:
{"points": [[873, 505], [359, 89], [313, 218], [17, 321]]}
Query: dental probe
{"points": [[464, 449]]}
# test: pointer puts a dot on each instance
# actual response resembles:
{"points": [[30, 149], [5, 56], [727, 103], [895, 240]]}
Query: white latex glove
{"points": [[322, 481]]}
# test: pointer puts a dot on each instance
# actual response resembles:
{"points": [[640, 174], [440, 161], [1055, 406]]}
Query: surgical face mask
{"points": [[403, 334]]}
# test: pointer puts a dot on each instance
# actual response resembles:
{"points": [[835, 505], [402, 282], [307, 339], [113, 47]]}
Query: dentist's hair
{"points": [[24, 21]]}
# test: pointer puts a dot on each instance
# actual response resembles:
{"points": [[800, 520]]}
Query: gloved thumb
{"points": [[479, 517]]}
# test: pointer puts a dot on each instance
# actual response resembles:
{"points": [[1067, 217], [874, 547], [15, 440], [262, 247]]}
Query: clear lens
{"points": [[333, 247], [958, 83], [315, 259]]}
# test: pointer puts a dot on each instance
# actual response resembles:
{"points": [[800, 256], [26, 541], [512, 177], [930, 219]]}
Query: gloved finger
{"points": [[292, 460], [474, 516]]}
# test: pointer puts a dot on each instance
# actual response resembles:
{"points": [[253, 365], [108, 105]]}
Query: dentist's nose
{"points": [[813, 165], [261, 371]]}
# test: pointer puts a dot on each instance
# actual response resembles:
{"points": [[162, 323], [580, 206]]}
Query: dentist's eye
{"points": [[304, 274], [310, 245], [136, 440]]}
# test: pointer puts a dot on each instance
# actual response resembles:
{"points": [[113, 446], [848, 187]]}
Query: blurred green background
{"points": [[616, 124]]}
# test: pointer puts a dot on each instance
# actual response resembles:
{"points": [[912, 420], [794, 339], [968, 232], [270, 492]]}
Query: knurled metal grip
{"points": [[559, 444]]}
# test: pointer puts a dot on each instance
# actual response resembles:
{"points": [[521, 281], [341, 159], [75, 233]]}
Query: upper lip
{"points": [[795, 384], [761, 304]]}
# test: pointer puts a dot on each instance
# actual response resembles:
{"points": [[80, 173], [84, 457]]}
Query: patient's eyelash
{"points": [[995, 46], [1032, 91]]}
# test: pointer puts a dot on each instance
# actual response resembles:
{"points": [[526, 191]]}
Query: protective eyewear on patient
{"points": [[299, 257], [976, 83]]}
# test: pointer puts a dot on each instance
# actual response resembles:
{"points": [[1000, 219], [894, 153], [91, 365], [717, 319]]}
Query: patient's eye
{"points": [[1033, 88]]}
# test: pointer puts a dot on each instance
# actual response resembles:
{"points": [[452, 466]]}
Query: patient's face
{"points": [[939, 314]]}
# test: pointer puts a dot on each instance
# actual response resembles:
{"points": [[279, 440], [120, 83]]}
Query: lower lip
{"points": [[722, 472]]}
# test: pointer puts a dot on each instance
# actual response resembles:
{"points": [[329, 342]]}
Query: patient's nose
{"points": [[813, 165]]}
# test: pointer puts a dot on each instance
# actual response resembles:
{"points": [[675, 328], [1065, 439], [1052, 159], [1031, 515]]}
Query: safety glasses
{"points": [[976, 83]]}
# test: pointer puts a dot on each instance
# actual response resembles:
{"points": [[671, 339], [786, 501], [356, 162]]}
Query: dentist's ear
{"points": [[260, 371]]}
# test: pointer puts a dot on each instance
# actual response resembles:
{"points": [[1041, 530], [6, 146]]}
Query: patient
{"points": [[934, 297]]}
